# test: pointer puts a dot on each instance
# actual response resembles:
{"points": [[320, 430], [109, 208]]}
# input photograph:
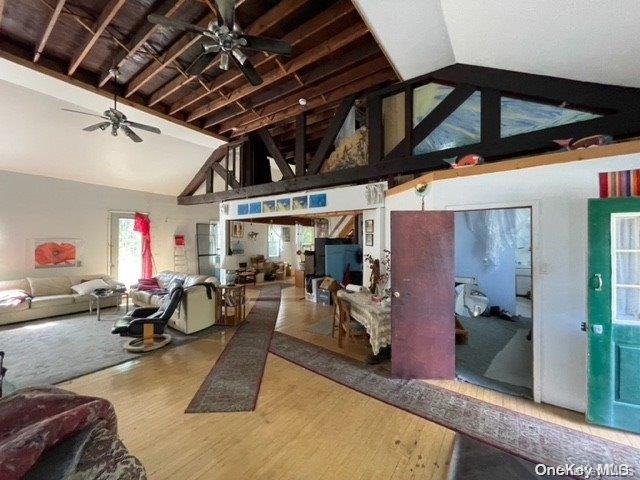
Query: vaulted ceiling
{"points": [[593, 41], [334, 55]]}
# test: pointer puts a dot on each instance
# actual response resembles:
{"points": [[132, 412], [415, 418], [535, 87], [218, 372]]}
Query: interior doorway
{"points": [[125, 245], [494, 299]]}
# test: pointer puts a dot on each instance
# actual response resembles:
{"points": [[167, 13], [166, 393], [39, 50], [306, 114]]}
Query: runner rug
{"points": [[234, 381], [522, 435]]}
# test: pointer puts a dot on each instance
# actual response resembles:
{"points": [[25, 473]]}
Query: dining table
{"points": [[374, 316]]}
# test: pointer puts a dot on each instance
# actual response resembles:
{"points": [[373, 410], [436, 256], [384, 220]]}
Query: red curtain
{"points": [[142, 224]]}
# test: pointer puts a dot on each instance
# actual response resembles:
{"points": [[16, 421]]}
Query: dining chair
{"points": [[348, 327]]}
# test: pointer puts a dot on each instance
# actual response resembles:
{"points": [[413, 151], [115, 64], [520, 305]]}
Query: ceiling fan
{"points": [[115, 119], [224, 36]]}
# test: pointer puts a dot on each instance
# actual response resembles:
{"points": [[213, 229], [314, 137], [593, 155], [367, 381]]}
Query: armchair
{"points": [[147, 324]]}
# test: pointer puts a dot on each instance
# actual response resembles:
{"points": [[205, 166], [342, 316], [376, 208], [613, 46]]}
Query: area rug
{"points": [[522, 435], [233, 383], [56, 349], [488, 336], [323, 327], [514, 363]]}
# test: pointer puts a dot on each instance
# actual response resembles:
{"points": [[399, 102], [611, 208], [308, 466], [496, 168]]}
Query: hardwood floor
{"points": [[304, 426]]}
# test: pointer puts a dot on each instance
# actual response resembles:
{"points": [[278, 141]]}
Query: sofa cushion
{"points": [[14, 300], [47, 286], [190, 280], [21, 284], [156, 300], [51, 301], [140, 296]]}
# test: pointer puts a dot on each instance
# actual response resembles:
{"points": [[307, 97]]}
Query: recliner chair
{"points": [[147, 324]]}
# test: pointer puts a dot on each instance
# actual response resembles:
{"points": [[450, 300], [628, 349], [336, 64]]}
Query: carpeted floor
{"points": [[527, 437], [488, 337], [234, 381], [56, 349]]}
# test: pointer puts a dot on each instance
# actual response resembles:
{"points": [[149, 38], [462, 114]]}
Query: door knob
{"points": [[597, 282], [396, 294]]}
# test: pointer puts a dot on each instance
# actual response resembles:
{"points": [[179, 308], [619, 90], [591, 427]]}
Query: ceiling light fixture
{"points": [[302, 102]]}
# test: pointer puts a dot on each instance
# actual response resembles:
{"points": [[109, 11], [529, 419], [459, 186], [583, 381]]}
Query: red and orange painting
{"points": [[55, 253]]}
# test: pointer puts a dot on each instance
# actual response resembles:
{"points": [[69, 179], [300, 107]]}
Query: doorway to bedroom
{"points": [[494, 298], [125, 248]]}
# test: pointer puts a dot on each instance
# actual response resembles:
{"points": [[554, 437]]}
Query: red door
{"points": [[422, 305]]}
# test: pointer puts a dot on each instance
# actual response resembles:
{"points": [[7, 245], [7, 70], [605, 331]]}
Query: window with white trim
{"points": [[274, 241]]}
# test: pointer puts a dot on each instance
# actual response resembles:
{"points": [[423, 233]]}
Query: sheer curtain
{"points": [[627, 267], [495, 230]]}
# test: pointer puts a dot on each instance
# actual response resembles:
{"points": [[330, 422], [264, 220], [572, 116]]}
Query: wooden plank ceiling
{"points": [[334, 56]]}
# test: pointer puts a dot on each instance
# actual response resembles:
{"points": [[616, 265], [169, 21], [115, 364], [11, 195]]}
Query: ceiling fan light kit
{"points": [[223, 36]]}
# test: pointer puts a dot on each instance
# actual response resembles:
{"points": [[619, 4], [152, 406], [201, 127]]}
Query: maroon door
{"points": [[422, 285]]}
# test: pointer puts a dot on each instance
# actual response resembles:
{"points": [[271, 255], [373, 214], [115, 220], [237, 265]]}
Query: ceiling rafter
{"points": [[180, 46], [138, 40], [378, 78], [334, 82], [309, 57], [108, 13], [47, 31], [306, 30], [261, 25]]}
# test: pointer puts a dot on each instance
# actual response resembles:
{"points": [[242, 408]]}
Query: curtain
{"points": [[142, 224], [627, 258], [495, 231]]}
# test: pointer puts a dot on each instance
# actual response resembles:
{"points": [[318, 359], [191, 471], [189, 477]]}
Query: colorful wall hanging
{"points": [[318, 201], [624, 183], [299, 203], [55, 253], [283, 205], [243, 209]]}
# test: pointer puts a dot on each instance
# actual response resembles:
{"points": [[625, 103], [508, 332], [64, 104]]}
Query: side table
{"points": [[232, 304]]}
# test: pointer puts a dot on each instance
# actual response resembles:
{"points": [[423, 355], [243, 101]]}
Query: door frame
{"points": [[536, 278], [109, 245]]}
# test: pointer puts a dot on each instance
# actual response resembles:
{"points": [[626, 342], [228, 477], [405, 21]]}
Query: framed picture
{"points": [[255, 207], [299, 203], [243, 209], [283, 205], [368, 226], [318, 200], [286, 234], [368, 239], [56, 252], [237, 229], [268, 206]]}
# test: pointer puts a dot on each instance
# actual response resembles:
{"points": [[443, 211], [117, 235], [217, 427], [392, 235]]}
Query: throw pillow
{"points": [[148, 284], [86, 288]]}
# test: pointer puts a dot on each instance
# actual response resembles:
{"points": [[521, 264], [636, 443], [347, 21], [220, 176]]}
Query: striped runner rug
{"points": [[233, 383]]}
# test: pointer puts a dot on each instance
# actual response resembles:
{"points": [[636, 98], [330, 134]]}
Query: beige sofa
{"points": [[50, 296], [196, 311]]}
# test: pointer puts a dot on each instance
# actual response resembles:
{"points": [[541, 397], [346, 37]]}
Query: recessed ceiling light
{"points": [[302, 102]]}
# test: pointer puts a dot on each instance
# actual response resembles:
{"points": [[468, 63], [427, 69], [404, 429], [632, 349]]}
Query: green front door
{"points": [[614, 313]]}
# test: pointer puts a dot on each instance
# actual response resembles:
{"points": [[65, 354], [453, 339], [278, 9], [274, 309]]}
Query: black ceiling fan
{"points": [[224, 36], [115, 119]]}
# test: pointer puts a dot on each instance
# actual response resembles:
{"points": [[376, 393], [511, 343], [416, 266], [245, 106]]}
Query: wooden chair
{"points": [[348, 328], [336, 314]]}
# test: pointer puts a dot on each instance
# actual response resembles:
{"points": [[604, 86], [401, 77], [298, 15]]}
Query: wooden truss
{"points": [[618, 111]]}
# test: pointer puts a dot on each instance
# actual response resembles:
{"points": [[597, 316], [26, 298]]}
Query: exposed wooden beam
{"points": [[261, 25], [167, 8], [429, 123], [358, 86], [330, 135], [217, 155], [306, 30], [300, 148], [332, 83], [108, 12], [225, 175], [311, 56], [184, 42], [272, 148], [490, 115], [47, 31], [288, 127]]}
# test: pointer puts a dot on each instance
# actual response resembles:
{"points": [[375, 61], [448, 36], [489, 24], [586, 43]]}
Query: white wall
{"points": [[558, 196], [40, 207]]}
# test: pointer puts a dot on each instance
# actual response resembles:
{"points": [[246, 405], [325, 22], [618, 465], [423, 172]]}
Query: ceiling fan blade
{"points": [[101, 126], [226, 9], [131, 134], [177, 24], [270, 45], [200, 63], [142, 126], [249, 71], [85, 113]]}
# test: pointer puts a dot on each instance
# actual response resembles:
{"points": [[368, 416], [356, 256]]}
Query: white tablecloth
{"points": [[375, 317]]}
